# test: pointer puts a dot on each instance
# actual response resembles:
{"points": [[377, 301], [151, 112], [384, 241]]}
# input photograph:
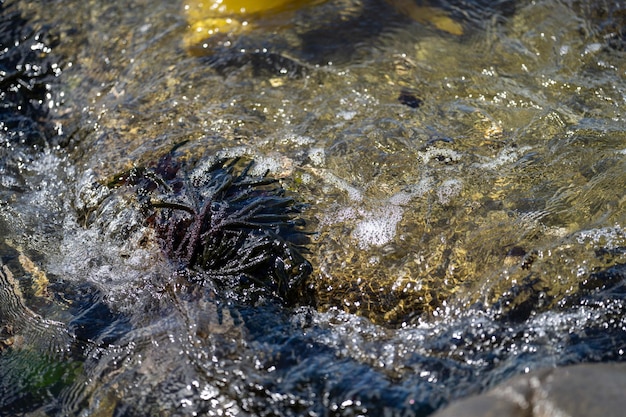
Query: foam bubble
{"points": [[234, 152], [446, 155], [376, 223], [341, 215], [608, 236], [346, 115], [298, 139], [448, 190], [506, 156], [416, 190], [317, 156], [276, 164], [378, 227], [354, 193]]}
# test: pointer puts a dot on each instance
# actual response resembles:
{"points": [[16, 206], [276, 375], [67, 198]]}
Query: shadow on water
{"points": [[459, 232]]}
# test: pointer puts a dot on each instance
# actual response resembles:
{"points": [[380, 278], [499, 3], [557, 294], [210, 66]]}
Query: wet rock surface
{"points": [[589, 390]]}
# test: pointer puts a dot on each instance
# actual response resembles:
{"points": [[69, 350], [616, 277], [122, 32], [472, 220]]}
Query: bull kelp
{"points": [[462, 192]]}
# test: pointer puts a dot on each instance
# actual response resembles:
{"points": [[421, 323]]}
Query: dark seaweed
{"points": [[238, 230]]}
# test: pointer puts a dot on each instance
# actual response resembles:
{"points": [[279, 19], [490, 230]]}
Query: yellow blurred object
{"points": [[240, 7], [208, 18]]}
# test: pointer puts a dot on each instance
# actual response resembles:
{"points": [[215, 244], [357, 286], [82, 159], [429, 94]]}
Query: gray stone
{"points": [[586, 390]]}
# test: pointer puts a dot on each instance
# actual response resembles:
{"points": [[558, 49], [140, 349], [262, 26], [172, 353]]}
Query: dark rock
{"points": [[409, 99]]}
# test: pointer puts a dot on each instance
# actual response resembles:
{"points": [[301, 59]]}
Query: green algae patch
{"points": [[30, 378]]}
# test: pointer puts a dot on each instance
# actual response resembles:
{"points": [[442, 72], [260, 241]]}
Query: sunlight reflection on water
{"points": [[465, 194]]}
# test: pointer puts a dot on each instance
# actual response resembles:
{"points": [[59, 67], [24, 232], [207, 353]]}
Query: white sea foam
{"points": [[446, 155], [298, 139], [378, 227], [276, 164], [317, 156], [346, 115], [607, 236], [448, 190], [353, 193], [375, 225], [504, 157]]}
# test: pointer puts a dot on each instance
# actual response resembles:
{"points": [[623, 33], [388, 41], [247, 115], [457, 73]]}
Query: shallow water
{"points": [[465, 195]]}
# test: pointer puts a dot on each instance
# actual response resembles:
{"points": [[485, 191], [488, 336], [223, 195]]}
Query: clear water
{"points": [[465, 191]]}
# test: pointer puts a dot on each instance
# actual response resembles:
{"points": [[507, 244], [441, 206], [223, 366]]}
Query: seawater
{"points": [[473, 235]]}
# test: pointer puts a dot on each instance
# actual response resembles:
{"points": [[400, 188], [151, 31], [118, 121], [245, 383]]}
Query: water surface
{"points": [[464, 191]]}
